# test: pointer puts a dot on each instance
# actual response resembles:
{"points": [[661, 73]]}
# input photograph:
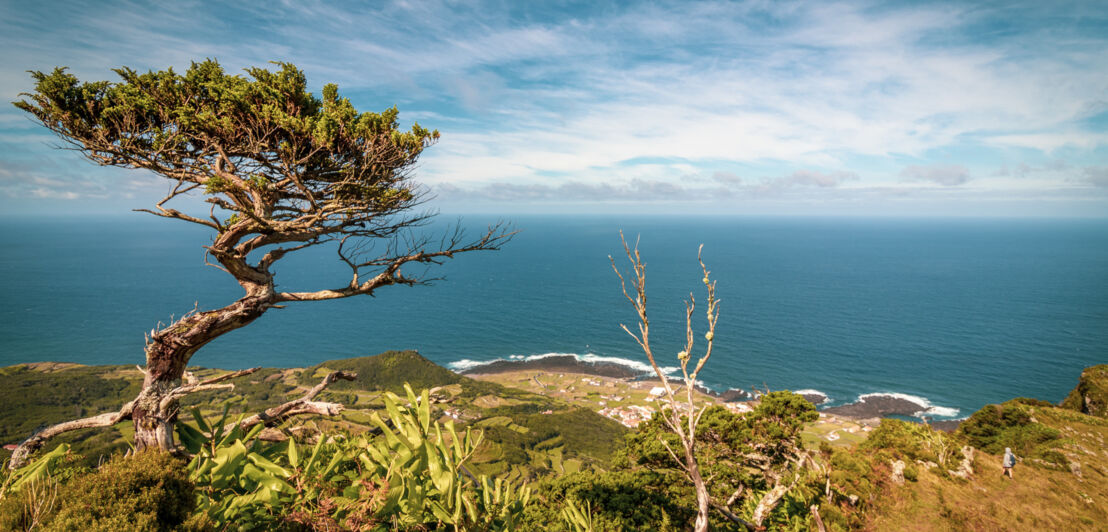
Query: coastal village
{"points": [[632, 402]]}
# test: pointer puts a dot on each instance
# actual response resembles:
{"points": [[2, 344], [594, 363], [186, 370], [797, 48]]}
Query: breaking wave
{"points": [[809, 394], [926, 408], [466, 364]]}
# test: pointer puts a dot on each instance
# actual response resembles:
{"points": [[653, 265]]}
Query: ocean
{"points": [[950, 313]]}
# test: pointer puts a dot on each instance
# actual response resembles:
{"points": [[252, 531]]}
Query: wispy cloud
{"points": [[561, 103], [946, 175], [634, 190], [1097, 176]]}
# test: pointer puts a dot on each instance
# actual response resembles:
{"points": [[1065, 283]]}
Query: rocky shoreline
{"points": [[871, 407]]}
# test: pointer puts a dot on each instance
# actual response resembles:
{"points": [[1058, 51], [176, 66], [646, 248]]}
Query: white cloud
{"points": [[1097, 176], [945, 175], [819, 96]]}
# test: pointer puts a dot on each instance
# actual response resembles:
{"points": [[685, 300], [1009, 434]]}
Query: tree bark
{"points": [[703, 500], [768, 503], [169, 350], [818, 519]]}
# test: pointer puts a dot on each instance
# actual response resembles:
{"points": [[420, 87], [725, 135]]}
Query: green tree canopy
{"points": [[282, 170]]}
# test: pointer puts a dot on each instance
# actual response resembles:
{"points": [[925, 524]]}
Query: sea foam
{"points": [[466, 364], [925, 405], [815, 393]]}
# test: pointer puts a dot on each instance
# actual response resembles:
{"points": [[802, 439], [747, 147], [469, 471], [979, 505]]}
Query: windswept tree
{"points": [[282, 170]]}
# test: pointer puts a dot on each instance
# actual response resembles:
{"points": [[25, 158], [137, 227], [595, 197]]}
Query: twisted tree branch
{"points": [[276, 415], [38, 439]]}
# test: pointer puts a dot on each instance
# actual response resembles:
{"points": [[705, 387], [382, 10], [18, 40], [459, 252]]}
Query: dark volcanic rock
{"points": [[876, 406], [815, 398], [734, 396]]}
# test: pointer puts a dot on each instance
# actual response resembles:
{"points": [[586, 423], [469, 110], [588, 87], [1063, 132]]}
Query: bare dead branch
{"points": [[304, 405], [736, 519], [672, 416], [735, 496], [38, 439], [772, 498], [819, 520], [390, 266], [205, 385]]}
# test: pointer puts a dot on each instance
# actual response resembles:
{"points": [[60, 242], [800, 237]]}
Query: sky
{"points": [[744, 108]]}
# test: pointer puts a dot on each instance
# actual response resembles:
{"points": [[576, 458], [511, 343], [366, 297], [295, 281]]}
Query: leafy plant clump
{"points": [[896, 439], [410, 475], [1011, 425], [149, 491], [617, 500]]}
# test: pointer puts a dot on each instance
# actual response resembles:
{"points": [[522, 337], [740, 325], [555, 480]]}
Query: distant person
{"points": [[1009, 462]]}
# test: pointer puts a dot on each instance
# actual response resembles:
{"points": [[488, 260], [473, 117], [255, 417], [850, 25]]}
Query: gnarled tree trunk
{"points": [[168, 351]]}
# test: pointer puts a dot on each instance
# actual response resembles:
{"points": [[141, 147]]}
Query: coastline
{"points": [[557, 364], [868, 408]]}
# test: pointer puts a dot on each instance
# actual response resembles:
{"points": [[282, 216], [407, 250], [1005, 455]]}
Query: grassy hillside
{"points": [[547, 426], [541, 435], [1042, 496], [36, 394], [387, 371]]}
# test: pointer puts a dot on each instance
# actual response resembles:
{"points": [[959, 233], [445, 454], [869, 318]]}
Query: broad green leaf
{"points": [[39, 469], [192, 439], [217, 430], [294, 456], [254, 431], [331, 465], [315, 454], [268, 466], [200, 422], [424, 410]]}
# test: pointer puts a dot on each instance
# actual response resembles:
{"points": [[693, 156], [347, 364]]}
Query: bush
{"points": [[911, 441], [852, 473], [995, 427], [618, 500], [911, 472], [1029, 401], [149, 492]]}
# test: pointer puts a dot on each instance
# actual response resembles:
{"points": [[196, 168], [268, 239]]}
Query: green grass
{"points": [[511, 419]]}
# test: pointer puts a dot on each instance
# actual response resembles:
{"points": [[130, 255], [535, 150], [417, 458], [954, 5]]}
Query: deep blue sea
{"points": [[955, 312]]}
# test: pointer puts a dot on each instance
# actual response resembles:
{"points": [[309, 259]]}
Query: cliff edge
{"points": [[1091, 394]]}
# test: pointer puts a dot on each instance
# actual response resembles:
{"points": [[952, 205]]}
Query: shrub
{"points": [[1029, 401], [911, 472], [852, 474], [911, 441], [149, 492], [995, 427], [617, 500], [1091, 394]]}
